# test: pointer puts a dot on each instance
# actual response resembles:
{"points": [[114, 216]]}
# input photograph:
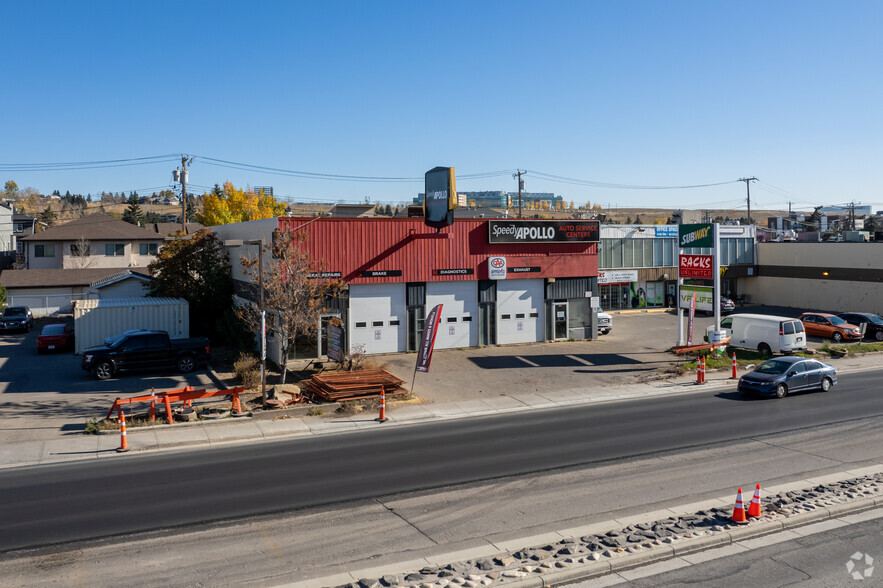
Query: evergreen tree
{"points": [[133, 213], [47, 217], [191, 209]]}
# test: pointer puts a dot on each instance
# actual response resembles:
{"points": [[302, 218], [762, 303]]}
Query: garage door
{"points": [[519, 311], [43, 302], [458, 326], [377, 317]]}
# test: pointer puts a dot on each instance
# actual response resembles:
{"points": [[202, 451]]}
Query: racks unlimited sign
{"points": [[695, 266], [529, 231]]}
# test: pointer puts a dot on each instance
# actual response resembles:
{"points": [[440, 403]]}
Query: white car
{"points": [[605, 322]]}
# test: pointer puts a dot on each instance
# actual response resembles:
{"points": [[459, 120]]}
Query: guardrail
{"points": [[186, 395]]}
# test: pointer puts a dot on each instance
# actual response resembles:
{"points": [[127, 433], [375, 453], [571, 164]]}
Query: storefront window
{"points": [[668, 252], [628, 253], [648, 252], [616, 254], [639, 253]]}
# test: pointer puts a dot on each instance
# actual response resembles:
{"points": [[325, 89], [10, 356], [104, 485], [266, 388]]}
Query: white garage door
{"points": [[43, 301], [519, 311], [377, 317], [458, 326]]}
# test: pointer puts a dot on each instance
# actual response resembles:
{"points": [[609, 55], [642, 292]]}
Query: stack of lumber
{"points": [[336, 387]]}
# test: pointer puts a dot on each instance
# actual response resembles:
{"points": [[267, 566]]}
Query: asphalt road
{"points": [[51, 504]]}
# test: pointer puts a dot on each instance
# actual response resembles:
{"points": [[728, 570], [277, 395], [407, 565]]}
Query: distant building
{"points": [[502, 199], [844, 209], [267, 190]]}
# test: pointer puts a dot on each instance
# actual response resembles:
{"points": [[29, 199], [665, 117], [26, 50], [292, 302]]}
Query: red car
{"points": [[55, 337]]}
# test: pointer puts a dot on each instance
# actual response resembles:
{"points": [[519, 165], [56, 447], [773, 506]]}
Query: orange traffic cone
{"points": [[739, 510], [382, 418], [754, 507], [735, 366], [124, 446]]}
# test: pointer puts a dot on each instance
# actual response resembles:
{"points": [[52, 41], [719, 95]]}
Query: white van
{"points": [[767, 334]]}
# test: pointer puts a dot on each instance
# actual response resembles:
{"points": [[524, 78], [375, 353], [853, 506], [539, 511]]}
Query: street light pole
{"points": [[263, 324], [260, 244]]}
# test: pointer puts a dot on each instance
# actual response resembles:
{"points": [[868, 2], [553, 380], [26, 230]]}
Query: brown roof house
{"points": [[96, 241], [96, 256]]}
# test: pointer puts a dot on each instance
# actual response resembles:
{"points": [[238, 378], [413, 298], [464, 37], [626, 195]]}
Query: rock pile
{"points": [[571, 552]]}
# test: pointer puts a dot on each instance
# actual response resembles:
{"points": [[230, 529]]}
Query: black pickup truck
{"points": [[144, 350]]}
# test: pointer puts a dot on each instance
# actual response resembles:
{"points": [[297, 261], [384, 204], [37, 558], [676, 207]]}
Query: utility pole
{"points": [[748, 191], [184, 162], [520, 188]]}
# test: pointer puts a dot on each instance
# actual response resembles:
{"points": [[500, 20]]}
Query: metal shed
{"points": [[94, 320]]}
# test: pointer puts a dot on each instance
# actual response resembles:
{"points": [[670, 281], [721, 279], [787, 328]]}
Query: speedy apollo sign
{"points": [[531, 231]]}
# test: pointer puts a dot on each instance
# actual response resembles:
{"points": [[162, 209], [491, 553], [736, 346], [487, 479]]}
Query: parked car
{"points": [[727, 305], [783, 375], [57, 336], [141, 349], [16, 318], [874, 328], [765, 333], [829, 326], [605, 322]]}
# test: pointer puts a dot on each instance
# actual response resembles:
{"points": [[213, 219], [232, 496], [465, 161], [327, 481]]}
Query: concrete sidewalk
{"points": [[73, 447]]}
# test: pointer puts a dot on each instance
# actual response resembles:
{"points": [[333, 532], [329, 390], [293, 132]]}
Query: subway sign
{"points": [[695, 236], [533, 231]]}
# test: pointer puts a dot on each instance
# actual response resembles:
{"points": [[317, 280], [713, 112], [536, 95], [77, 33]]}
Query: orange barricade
{"points": [[186, 395]]}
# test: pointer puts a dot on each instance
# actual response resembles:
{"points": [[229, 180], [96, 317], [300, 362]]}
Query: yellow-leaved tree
{"points": [[229, 204]]}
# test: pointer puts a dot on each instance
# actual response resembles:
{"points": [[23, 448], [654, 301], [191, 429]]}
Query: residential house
{"points": [[7, 236], [93, 241], [22, 226], [52, 291]]}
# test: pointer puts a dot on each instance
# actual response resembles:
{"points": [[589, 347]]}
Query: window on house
{"points": [[114, 249], [44, 250], [78, 251], [148, 248]]}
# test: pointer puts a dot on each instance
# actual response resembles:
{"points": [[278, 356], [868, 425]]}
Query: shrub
{"points": [[247, 370]]}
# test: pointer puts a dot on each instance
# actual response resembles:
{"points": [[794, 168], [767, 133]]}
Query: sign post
{"points": [[693, 237]]}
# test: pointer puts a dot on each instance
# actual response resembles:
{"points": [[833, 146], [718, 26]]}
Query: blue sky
{"points": [[620, 92]]}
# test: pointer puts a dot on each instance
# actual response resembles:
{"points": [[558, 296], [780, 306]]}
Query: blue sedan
{"points": [[782, 375]]}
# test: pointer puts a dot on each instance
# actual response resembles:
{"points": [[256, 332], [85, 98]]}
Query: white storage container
{"points": [[94, 320]]}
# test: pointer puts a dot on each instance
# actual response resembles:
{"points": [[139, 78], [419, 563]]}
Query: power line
{"points": [[78, 165], [595, 184]]}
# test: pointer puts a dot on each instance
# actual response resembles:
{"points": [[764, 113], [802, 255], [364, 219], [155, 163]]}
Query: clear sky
{"points": [[637, 93]]}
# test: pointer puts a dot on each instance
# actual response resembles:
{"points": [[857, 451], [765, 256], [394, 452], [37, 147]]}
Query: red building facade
{"points": [[499, 281]]}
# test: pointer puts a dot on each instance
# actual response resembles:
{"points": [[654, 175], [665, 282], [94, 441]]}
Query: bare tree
{"points": [[80, 257], [294, 294]]}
